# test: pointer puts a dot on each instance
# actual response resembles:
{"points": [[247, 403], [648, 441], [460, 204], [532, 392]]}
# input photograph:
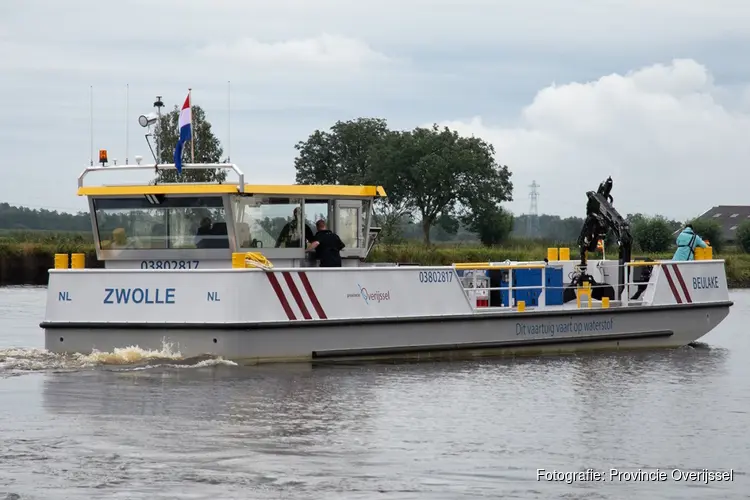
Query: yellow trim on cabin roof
{"points": [[166, 189], [271, 190]]}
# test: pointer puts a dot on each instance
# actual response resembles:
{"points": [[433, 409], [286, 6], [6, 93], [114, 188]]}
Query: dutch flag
{"points": [[185, 133]]}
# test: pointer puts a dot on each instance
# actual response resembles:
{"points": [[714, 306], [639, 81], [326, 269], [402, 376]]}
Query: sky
{"points": [[654, 93]]}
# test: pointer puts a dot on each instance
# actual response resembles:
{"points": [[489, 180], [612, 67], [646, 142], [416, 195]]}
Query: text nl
{"points": [[702, 282], [139, 296]]}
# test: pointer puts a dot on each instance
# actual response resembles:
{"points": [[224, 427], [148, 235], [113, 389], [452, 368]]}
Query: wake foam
{"points": [[16, 360]]}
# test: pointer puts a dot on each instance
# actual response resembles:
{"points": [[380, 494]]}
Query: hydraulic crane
{"points": [[601, 218]]}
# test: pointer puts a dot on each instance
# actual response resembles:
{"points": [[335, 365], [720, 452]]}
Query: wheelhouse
{"points": [[186, 225]]}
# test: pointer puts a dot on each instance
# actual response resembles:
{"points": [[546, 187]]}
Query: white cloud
{"points": [[324, 50], [243, 59], [531, 22], [670, 147], [297, 65]]}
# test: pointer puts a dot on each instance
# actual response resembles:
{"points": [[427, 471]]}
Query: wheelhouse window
{"points": [[161, 222], [348, 226], [316, 210], [352, 223], [270, 222]]}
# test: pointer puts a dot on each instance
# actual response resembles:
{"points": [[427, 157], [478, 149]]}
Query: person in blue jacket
{"points": [[686, 243]]}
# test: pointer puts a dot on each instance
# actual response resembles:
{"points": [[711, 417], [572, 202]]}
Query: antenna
{"points": [[158, 104], [532, 222], [91, 123], [127, 122], [229, 124]]}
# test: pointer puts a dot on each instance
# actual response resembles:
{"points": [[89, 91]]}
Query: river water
{"points": [[146, 425]]}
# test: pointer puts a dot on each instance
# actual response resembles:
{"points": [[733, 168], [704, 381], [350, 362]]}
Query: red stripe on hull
{"points": [[311, 294], [295, 293], [684, 287], [280, 294], [671, 285]]}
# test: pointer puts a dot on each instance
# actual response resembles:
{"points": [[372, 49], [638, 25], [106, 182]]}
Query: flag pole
{"points": [[229, 124], [127, 121], [91, 121], [192, 129]]}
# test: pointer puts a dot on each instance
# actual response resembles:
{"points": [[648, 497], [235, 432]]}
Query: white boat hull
{"points": [[456, 337], [289, 315]]}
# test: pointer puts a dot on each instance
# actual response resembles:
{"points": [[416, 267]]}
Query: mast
{"points": [[192, 128], [127, 122], [229, 124], [91, 123]]}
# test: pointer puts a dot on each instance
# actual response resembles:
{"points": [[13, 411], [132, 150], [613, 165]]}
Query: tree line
{"points": [[23, 218], [441, 187]]}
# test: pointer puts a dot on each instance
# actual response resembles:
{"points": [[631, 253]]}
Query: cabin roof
{"points": [[302, 190]]}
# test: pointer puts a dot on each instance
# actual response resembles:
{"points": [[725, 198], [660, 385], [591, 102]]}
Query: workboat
{"points": [[203, 267]]}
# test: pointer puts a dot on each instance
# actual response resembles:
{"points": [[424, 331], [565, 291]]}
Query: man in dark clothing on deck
{"points": [[289, 235], [327, 246]]}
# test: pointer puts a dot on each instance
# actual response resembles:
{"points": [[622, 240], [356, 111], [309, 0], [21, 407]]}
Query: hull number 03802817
{"points": [[435, 276], [170, 264]]}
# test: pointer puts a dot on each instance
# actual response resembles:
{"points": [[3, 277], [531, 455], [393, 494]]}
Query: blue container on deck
{"points": [[533, 278], [527, 277], [554, 286]]}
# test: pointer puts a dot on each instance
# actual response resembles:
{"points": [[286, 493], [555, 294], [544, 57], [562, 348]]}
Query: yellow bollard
{"points": [[583, 290], [521, 305], [238, 260], [78, 260], [552, 254], [605, 302], [61, 261], [565, 254]]}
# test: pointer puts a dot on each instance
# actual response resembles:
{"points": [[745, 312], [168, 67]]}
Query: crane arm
{"points": [[601, 218]]}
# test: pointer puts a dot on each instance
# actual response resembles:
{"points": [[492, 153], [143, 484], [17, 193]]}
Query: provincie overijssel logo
{"points": [[368, 297]]}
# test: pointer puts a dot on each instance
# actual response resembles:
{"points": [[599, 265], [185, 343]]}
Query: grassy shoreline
{"points": [[27, 263]]}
